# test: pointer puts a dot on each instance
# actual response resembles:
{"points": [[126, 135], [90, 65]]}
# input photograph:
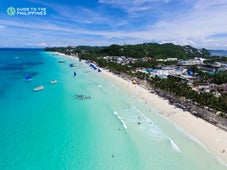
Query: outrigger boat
{"points": [[53, 81], [81, 97], [38, 88]]}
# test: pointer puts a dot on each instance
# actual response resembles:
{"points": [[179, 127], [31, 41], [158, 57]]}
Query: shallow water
{"points": [[50, 129]]}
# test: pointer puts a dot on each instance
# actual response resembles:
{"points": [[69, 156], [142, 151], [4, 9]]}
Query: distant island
{"points": [[189, 78]]}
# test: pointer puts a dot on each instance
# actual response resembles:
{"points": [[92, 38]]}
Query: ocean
{"points": [[222, 53], [55, 129]]}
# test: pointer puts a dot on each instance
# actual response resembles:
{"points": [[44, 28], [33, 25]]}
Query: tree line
{"points": [[152, 50]]}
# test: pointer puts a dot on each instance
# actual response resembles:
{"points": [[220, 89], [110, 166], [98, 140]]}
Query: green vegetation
{"points": [[216, 78], [152, 50], [220, 78], [155, 50], [178, 88], [114, 67], [215, 59]]}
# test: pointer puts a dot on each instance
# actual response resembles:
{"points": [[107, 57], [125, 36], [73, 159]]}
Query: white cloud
{"points": [[197, 26], [208, 5], [42, 44], [194, 27], [133, 6]]}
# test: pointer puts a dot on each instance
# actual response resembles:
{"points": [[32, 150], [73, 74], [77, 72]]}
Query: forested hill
{"points": [[153, 50]]}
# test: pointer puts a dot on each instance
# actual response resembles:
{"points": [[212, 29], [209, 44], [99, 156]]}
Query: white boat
{"points": [[53, 81], [38, 88]]}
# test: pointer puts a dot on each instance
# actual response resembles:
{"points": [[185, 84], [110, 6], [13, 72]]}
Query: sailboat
{"points": [[28, 77]]}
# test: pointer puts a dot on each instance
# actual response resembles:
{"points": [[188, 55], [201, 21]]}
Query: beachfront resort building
{"points": [[191, 62], [167, 59], [123, 60], [165, 71]]}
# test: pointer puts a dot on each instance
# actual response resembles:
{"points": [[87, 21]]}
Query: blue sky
{"points": [[200, 23]]}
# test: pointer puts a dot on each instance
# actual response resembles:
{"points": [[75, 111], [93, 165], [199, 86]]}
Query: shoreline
{"points": [[215, 141]]}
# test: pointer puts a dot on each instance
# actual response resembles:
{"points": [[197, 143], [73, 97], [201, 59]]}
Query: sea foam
{"points": [[193, 138], [155, 129], [121, 120]]}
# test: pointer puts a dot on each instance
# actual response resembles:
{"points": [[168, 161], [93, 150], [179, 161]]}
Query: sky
{"points": [[199, 23]]}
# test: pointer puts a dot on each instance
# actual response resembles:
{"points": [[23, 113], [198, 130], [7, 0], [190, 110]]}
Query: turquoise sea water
{"points": [[51, 130]]}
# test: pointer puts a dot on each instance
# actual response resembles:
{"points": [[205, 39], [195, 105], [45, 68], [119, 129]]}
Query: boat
{"points": [[38, 88], [81, 97], [74, 73], [72, 65], [53, 81], [28, 77]]}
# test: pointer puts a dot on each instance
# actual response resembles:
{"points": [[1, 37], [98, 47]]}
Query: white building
{"points": [[196, 61]]}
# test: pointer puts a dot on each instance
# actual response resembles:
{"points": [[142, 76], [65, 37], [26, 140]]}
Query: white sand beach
{"points": [[212, 137]]}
